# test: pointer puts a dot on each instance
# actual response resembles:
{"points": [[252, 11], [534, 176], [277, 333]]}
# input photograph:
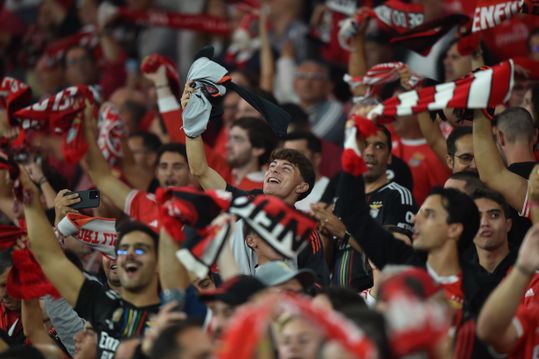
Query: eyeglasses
{"points": [[465, 158], [138, 251]]}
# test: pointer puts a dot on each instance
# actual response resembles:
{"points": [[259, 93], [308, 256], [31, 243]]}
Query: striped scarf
{"points": [[485, 88]]}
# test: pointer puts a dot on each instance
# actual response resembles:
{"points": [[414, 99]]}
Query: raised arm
{"points": [[495, 324], [172, 273], [267, 65], [98, 168], [196, 156], [491, 167], [63, 274], [357, 65], [533, 194]]}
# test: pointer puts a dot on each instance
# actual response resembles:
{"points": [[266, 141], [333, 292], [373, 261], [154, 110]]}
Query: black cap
{"points": [[234, 291]]}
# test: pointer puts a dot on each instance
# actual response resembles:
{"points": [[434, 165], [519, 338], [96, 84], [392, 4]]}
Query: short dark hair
{"points": [[134, 226], [515, 123], [166, 345], [387, 133], [303, 164], [178, 148], [150, 141], [460, 209], [494, 196], [260, 135], [341, 298], [471, 180], [456, 134], [313, 143]]}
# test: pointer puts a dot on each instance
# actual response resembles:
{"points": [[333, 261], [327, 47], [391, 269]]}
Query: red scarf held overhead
{"points": [[380, 74], [25, 279], [62, 113], [478, 90], [151, 63], [490, 13], [159, 18], [187, 205], [112, 130]]}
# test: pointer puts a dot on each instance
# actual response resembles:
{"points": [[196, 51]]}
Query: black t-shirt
{"points": [[111, 317], [389, 204]]}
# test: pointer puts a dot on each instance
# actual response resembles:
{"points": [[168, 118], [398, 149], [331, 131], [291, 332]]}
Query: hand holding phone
{"points": [[88, 199]]}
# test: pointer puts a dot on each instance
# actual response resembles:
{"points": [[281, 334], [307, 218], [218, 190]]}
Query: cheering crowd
{"points": [[269, 179]]}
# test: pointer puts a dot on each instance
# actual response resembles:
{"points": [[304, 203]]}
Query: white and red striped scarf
{"points": [[378, 75], [62, 114], [161, 18], [478, 90], [112, 130], [393, 17], [96, 232], [250, 324]]}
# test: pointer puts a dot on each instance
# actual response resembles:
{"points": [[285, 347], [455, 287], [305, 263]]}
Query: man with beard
{"points": [[250, 142], [112, 316], [389, 203]]}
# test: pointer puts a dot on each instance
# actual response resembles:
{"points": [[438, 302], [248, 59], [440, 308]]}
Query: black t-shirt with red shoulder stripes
{"points": [[111, 317]]}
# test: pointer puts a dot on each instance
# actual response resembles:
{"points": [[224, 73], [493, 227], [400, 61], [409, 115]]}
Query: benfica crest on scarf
{"points": [[283, 227]]}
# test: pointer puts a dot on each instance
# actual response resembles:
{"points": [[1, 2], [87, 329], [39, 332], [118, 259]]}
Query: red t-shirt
{"points": [[526, 323], [252, 181], [427, 170], [141, 206]]}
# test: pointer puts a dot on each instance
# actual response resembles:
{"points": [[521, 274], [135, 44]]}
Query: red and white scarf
{"points": [[186, 205], [250, 324], [478, 90], [96, 232], [25, 279], [62, 114], [152, 62], [393, 17], [200, 252], [378, 75], [112, 130], [490, 13], [161, 18]]}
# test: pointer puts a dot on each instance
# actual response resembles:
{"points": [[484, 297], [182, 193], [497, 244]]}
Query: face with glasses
{"points": [[136, 261], [79, 67], [463, 159], [312, 83]]}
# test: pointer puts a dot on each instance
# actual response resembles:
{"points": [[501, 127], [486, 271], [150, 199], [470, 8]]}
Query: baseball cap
{"points": [[234, 291], [278, 272]]}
